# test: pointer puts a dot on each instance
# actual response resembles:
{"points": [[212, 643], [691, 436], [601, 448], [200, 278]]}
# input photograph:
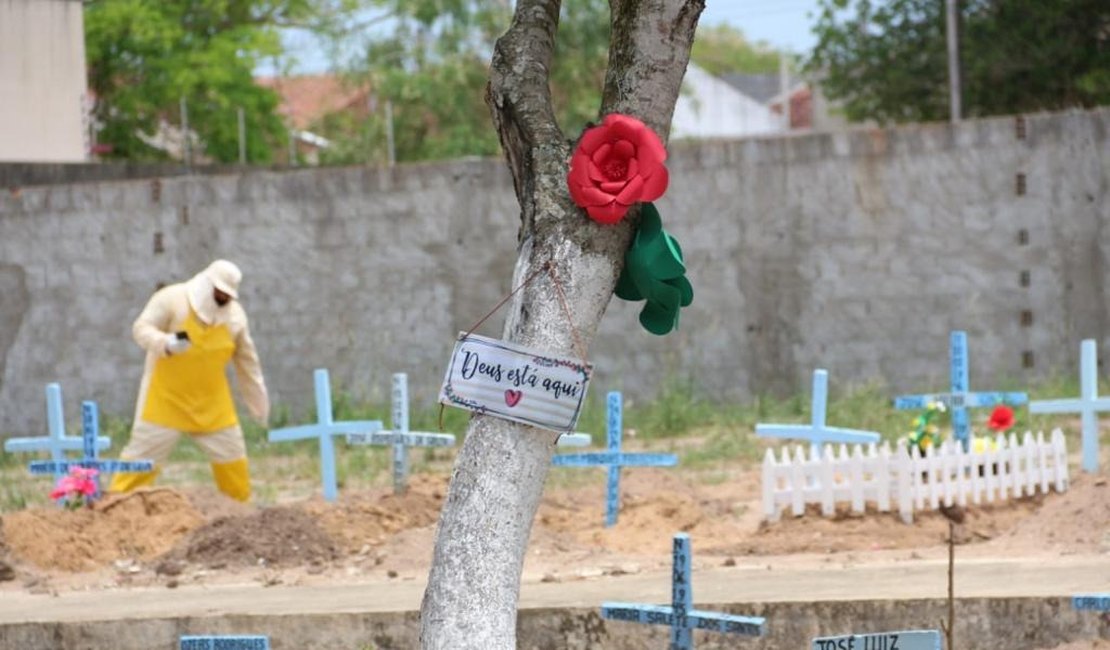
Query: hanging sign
{"points": [[516, 383]]}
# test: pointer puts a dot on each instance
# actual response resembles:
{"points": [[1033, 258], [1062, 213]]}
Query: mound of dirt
{"points": [[1077, 521], [875, 531], [372, 518], [279, 536], [140, 525]]}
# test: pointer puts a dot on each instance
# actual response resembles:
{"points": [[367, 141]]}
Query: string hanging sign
{"points": [[515, 382]]}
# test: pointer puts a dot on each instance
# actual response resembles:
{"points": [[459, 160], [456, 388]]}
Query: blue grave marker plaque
{"points": [[225, 642], [909, 640]]}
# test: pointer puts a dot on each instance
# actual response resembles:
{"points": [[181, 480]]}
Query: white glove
{"points": [[175, 345]]}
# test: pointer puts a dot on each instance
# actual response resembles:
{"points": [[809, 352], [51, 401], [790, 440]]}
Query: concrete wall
{"points": [[42, 81], [857, 252], [981, 624]]}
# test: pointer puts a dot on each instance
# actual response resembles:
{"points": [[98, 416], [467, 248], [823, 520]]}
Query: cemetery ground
{"points": [[183, 538]]}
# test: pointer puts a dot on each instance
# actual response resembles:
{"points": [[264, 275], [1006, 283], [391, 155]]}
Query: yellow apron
{"points": [[189, 391]]}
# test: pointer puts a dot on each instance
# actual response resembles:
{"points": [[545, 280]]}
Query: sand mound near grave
{"points": [[372, 518], [140, 525], [272, 537], [1077, 521]]}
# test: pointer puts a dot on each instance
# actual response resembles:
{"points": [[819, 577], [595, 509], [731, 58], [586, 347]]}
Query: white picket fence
{"points": [[909, 482]]}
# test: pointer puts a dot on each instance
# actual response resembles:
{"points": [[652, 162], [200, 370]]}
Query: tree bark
{"points": [[472, 592]]}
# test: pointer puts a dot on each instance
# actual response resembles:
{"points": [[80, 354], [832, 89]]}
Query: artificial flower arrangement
{"points": [[616, 165], [77, 489], [926, 431]]}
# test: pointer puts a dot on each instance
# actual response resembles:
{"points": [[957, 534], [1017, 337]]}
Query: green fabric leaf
{"points": [[654, 270]]}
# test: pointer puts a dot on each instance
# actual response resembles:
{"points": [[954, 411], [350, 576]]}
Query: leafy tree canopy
{"points": [[887, 60], [145, 55], [721, 49], [432, 66]]}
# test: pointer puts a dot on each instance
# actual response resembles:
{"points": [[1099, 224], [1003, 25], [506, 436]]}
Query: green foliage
{"points": [[433, 66], [145, 55], [721, 49], [887, 61]]}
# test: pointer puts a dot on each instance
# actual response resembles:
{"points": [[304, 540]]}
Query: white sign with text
{"points": [[516, 383], [913, 640]]}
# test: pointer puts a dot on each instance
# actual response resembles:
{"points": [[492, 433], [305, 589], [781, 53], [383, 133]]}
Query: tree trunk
{"points": [[472, 592]]}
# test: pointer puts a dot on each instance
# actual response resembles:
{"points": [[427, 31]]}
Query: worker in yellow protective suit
{"points": [[190, 331]]}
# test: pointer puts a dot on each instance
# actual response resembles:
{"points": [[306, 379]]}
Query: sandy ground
{"points": [[163, 537]]}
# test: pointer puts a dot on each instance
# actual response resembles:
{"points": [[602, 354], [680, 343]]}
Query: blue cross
{"points": [[960, 398], [816, 432], [681, 615], [57, 443], [233, 642], [400, 437], [1088, 404], [614, 459], [89, 429], [323, 430]]}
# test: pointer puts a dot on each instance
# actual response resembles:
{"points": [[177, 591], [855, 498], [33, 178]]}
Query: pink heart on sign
{"points": [[512, 397]]}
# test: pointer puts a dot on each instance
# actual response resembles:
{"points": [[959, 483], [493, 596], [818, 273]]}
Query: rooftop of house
{"points": [[307, 99], [760, 87]]}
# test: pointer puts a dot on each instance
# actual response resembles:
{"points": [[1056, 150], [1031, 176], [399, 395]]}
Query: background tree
{"points": [[499, 473], [432, 64], [145, 55], [722, 48], [886, 61]]}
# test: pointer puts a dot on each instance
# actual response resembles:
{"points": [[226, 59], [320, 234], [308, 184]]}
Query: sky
{"points": [[783, 24]]}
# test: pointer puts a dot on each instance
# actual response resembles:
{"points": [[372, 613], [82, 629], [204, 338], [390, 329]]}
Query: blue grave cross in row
{"points": [[614, 459], [817, 433], [960, 398], [1088, 404], [400, 437], [228, 642], [681, 615], [323, 430], [89, 430], [57, 442]]}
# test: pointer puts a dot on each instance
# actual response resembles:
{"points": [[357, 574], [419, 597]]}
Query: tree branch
{"points": [[642, 75], [519, 98]]}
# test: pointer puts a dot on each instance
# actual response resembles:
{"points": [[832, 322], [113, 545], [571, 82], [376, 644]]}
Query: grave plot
{"points": [[907, 482]]}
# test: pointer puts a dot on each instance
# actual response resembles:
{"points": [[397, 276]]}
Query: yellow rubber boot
{"points": [[233, 479], [132, 480]]}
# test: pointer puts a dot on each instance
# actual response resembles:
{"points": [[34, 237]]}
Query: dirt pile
{"points": [[1077, 521], [274, 537], [141, 525], [372, 518]]}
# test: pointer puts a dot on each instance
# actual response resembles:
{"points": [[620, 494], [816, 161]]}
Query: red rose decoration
{"points": [[1002, 418], [617, 164]]}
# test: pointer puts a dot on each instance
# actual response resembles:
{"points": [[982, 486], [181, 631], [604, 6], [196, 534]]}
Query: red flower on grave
{"points": [[1002, 418], [617, 164]]}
